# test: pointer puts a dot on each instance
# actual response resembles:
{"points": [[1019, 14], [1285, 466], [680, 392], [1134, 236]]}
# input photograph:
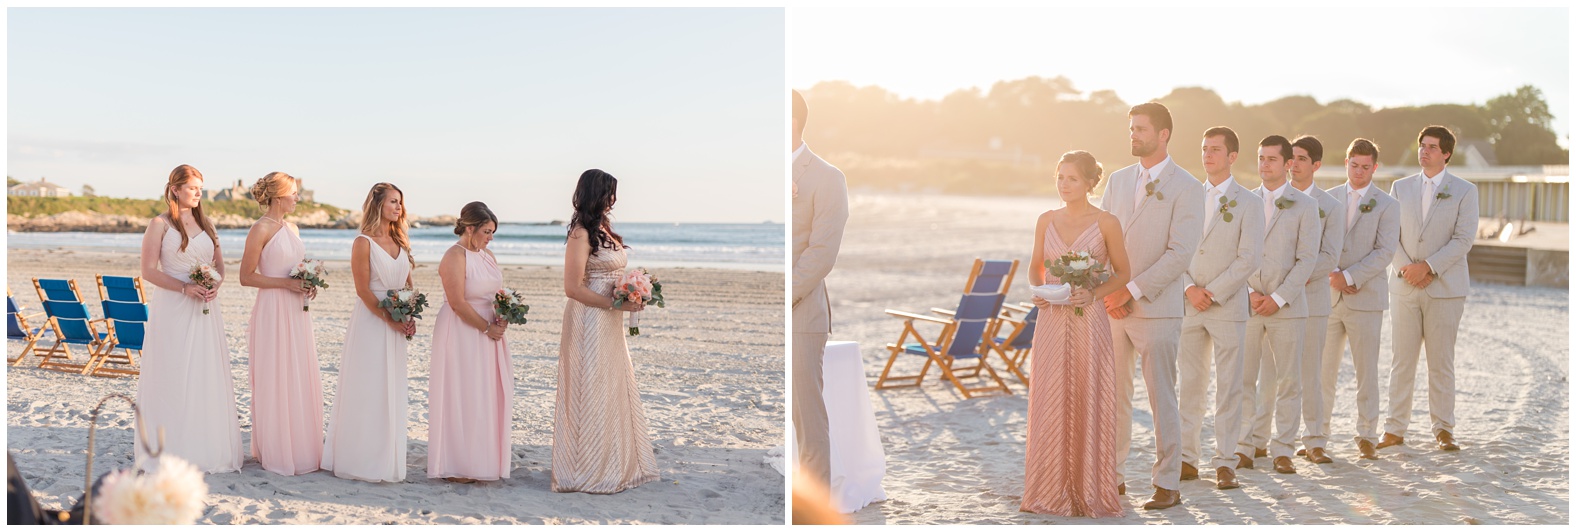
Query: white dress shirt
{"points": [[1353, 196]]}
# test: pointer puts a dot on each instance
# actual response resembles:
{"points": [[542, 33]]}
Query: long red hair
{"points": [[179, 177]]}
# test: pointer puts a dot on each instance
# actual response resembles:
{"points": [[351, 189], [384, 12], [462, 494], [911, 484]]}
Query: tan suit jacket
{"points": [[1443, 239], [1332, 222], [820, 209], [1291, 246], [1227, 255], [1161, 235], [1368, 248]]}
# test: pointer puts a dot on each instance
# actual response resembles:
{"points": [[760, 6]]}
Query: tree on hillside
{"points": [[11, 182], [87, 191]]}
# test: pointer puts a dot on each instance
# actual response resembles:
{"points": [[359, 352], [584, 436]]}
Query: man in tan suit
{"points": [[1307, 156], [1360, 291], [1216, 311], [1280, 309], [1439, 217], [820, 208], [1160, 206]]}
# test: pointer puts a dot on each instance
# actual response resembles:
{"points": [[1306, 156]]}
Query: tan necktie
{"points": [[1352, 197], [1211, 205], [1428, 197], [1143, 186], [1269, 208]]}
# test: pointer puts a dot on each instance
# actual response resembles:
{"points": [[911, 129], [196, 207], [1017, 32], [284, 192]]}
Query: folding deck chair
{"points": [[19, 329], [71, 322], [1019, 340], [115, 288], [966, 333], [128, 324]]}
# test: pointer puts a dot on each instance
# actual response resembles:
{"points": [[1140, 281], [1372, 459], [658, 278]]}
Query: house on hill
{"points": [[40, 188], [243, 192]]}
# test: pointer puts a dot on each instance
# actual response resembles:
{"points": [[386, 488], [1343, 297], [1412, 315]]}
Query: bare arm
{"points": [[452, 271], [1037, 258], [575, 256], [1116, 249]]}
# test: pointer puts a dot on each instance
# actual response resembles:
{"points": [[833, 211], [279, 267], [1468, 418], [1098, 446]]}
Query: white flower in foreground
{"points": [[173, 493]]}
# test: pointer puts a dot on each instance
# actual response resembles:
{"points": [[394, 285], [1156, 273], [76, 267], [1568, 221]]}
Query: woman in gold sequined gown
{"points": [[600, 440]]}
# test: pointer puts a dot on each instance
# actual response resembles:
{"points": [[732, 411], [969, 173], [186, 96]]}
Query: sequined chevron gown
{"points": [[600, 443], [1069, 467]]}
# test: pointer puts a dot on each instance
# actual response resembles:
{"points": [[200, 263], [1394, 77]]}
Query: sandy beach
{"points": [[957, 461], [709, 367]]}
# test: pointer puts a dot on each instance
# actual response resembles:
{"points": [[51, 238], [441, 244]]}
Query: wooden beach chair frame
{"points": [[949, 348], [59, 356], [28, 333], [134, 282], [120, 330]]}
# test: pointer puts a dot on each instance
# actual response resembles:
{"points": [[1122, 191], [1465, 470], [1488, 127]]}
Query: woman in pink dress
{"points": [[287, 393], [471, 401], [1071, 455]]}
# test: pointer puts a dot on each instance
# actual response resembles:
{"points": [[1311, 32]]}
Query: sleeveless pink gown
{"points": [[471, 402], [1069, 469], [287, 392]]}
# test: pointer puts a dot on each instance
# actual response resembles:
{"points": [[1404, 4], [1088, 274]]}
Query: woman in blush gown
{"points": [[367, 428], [1070, 469], [471, 400], [287, 392], [600, 444], [185, 388]]}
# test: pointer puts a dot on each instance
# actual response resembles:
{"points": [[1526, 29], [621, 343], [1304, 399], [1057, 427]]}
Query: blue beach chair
{"points": [[18, 328], [116, 288], [71, 322], [128, 325], [967, 333], [1014, 347]]}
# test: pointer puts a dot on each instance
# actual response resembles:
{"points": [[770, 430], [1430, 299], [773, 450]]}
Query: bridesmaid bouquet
{"points": [[311, 271], [405, 305], [1077, 268], [638, 285], [204, 274], [172, 493], [510, 306]]}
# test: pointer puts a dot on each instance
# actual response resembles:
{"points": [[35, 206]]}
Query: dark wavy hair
{"points": [[594, 196]]}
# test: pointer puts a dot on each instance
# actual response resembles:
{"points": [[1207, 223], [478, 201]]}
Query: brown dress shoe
{"points": [[1163, 499], [1243, 462], [1121, 489], [1367, 450], [1261, 453], [1446, 441], [1390, 440], [1225, 478], [1317, 456], [1283, 465], [1302, 452], [1189, 472]]}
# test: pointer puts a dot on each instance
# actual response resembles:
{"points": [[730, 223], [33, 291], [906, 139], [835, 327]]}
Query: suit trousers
{"points": [[1359, 329], [1204, 340], [1313, 435], [1419, 321], [809, 406], [1156, 341], [1271, 388]]}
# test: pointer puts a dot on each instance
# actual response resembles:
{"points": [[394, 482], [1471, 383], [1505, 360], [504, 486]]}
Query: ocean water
{"points": [[758, 247]]}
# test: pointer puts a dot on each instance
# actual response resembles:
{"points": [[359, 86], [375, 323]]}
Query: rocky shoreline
{"points": [[86, 222]]}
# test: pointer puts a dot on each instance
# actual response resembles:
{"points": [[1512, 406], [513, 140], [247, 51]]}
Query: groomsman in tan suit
{"points": [[1307, 156], [1360, 291], [820, 208], [1439, 217], [1216, 311], [1160, 206], [1278, 297]]}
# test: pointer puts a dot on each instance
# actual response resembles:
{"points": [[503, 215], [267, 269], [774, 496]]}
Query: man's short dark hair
{"points": [[1157, 113], [1232, 144], [1277, 140], [1311, 145]]}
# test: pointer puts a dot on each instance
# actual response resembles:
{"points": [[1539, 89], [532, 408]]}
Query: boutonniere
{"points": [[1444, 193], [1321, 213], [1149, 190], [1225, 215], [1368, 207], [1284, 203]]}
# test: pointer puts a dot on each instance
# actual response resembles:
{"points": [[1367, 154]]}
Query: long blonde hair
{"points": [[269, 187], [179, 177], [372, 217]]}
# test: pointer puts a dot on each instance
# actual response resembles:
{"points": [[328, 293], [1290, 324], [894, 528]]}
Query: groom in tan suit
{"points": [[820, 208], [1439, 218], [1360, 291], [1216, 286], [1160, 206]]}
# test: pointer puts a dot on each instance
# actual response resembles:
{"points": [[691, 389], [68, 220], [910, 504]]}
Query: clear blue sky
{"points": [[685, 106], [1414, 54]]}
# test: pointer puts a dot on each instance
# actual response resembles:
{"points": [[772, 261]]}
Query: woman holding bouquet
{"points": [[287, 393], [471, 401], [1069, 468], [185, 386], [366, 431], [600, 443]]}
